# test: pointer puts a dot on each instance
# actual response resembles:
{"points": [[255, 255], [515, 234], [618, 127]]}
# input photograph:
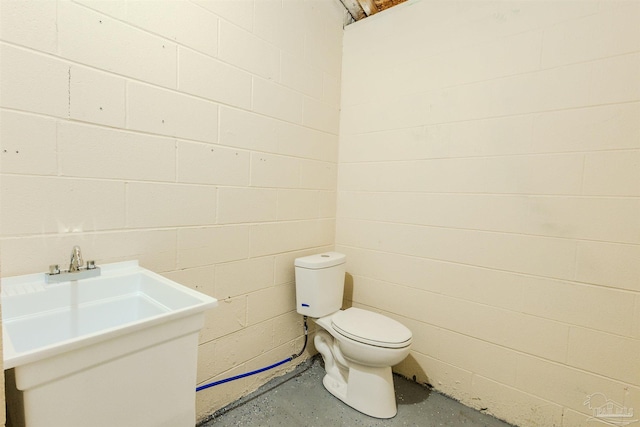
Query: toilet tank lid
{"points": [[323, 260]]}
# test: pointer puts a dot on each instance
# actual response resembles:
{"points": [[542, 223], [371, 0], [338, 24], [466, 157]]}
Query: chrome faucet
{"points": [[76, 259], [75, 271]]}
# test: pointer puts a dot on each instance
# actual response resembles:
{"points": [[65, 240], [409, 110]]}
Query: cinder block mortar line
{"points": [[476, 119], [506, 77], [596, 285], [169, 89], [493, 156], [164, 136], [483, 194], [511, 349], [510, 233], [426, 126]]}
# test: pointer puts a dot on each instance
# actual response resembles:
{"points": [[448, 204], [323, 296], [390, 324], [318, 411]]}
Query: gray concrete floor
{"points": [[299, 399]]}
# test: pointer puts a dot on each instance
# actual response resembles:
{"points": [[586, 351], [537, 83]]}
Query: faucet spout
{"points": [[76, 259]]}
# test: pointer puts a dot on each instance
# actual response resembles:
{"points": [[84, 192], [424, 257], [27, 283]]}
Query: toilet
{"points": [[358, 347]]}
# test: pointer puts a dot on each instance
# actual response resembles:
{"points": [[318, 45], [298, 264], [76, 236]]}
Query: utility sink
{"points": [[117, 349]]}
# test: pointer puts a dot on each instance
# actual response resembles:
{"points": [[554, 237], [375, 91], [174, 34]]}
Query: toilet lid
{"points": [[371, 328]]}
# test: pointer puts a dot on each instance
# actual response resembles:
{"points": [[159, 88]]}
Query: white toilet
{"points": [[358, 346]]}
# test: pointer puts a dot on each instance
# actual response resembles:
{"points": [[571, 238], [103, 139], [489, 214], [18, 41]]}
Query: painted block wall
{"points": [[489, 198], [199, 137]]}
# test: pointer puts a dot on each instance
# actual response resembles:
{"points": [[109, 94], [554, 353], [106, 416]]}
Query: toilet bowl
{"points": [[359, 372], [358, 346]]}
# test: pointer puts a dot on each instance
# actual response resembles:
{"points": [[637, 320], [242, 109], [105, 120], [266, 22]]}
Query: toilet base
{"points": [[368, 390], [364, 388]]}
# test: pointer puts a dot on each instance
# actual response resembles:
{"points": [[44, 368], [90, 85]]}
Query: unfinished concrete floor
{"points": [[299, 399]]}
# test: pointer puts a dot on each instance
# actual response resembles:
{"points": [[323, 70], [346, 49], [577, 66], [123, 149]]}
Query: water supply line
{"points": [[266, 368]]}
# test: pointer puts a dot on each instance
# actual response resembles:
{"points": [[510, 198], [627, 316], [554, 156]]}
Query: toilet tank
{"points": [[320, 283]]}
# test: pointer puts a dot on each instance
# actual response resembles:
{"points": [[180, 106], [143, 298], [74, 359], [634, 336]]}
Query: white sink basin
{"points": [[55, 332]]}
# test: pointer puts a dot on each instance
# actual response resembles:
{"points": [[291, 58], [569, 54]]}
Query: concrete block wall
{"points": [[199, 137], [489, 198]]}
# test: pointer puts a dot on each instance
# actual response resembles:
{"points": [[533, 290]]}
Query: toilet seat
{"points": [[371, 328]]}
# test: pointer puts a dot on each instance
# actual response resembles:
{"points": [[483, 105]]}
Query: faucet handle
{"points": [[54, 269]]}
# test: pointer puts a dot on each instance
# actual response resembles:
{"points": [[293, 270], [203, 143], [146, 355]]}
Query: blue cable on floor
{"points": [[246, 374], [266, 368]]}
